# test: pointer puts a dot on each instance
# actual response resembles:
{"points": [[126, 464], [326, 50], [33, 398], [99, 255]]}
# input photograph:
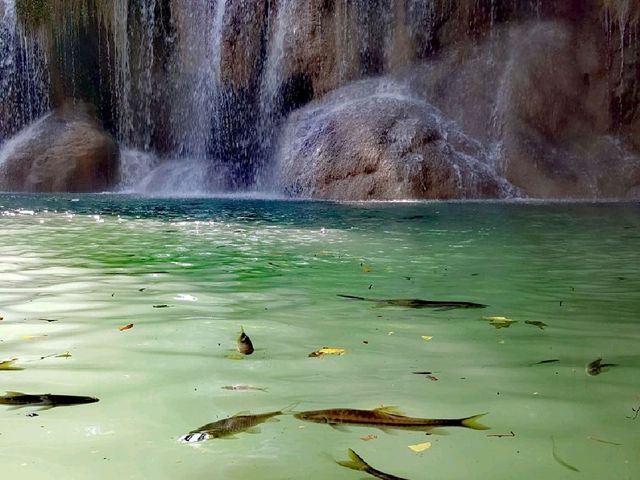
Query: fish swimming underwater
{"points": [[417, 303], [357, 463], [597, 367], [244, 343], [240, 422], [386, 417], [45, 400]]}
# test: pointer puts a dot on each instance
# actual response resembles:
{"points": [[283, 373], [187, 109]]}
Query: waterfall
{"points": [[24, 77], [197, 106]]}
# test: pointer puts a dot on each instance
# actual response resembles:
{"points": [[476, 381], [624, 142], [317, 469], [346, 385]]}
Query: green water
{"points": [[96, 263]]}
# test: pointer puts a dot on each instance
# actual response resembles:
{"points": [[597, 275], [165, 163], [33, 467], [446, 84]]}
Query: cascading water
{"points": [[24, 78], [210, 85]]}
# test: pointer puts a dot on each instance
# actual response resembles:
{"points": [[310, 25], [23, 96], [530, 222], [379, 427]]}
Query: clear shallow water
{"points": [[95, 263]]}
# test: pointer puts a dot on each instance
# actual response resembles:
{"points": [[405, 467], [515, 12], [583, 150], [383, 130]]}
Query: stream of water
{"points": [[75, 269]]}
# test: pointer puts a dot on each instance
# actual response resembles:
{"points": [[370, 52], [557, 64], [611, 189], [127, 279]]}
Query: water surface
{"points": [[95, 263]]}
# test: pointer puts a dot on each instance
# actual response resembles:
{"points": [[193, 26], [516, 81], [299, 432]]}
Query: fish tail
{"points": [[356, 463], [289, 409], [472, 422]]}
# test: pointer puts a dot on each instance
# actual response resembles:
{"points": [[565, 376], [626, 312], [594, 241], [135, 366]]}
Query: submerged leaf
{"points": [[371, 436], [426, 338], [536, 323], [420, 447], [125, 327]]}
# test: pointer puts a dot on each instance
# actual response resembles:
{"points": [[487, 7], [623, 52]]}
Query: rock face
{"points": [[374, 140], [65, 151]]}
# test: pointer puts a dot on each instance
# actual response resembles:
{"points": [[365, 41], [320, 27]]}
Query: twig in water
{"points": [[558, 459], [500, 435]]}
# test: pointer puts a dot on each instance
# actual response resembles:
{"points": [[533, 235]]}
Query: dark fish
{"points": [[244, 343], [386, 417], [536, 323], [597, 367], [46, 400], [542, 362], [226, 427], [417, 303], [357, 463]]}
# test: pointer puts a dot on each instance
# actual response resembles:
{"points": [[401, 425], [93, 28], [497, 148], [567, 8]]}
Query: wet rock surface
{"points": [[65, 151]]}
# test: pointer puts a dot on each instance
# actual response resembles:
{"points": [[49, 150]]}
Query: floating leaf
{"points": [[367, 269], [33, 337], [391, 333], [234, 356], [327, 351], [64, 355], [371, 436], [8, 365], [125, 327], [426, 338], [499, 322], [420, 447], [432, 378]]}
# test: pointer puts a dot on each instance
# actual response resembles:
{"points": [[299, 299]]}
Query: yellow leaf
{"points": [[327, 351], [391, 333], [497, 319], [420, 447], [426, 338]]}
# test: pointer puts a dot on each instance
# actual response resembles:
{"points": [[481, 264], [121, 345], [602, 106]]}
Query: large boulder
{"points": [[65, 151], [374, 140]]}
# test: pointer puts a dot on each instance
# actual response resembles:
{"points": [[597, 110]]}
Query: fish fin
{"points": [[45, 407], [288, 410], [605, 365], [356, 462], [438, 431], [272, 420], [338, 427], [253, 430], [242, 413], [472, 422], [16, 407], [388, 409], [443, 309]]}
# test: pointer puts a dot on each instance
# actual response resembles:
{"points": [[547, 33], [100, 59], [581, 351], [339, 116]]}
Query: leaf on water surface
{"points": [[33, 337], [432, 378], [369, 437], [327, 351], [8, 365], [426, 338], [234, 356], [125, 327], [367, 268], [420, 447], [499, 322]]}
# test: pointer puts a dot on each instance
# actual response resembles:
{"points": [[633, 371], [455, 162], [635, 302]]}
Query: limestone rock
{"points": [[66, 150], [372, 140]]}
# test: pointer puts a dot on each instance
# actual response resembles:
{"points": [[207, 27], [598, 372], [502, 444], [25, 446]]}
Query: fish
{"points": [[227, 427], [418, 303], [45, 400], [243, 388], [597, 367], [536, 323], [385, 417], [244, 343], [357, 463]]}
